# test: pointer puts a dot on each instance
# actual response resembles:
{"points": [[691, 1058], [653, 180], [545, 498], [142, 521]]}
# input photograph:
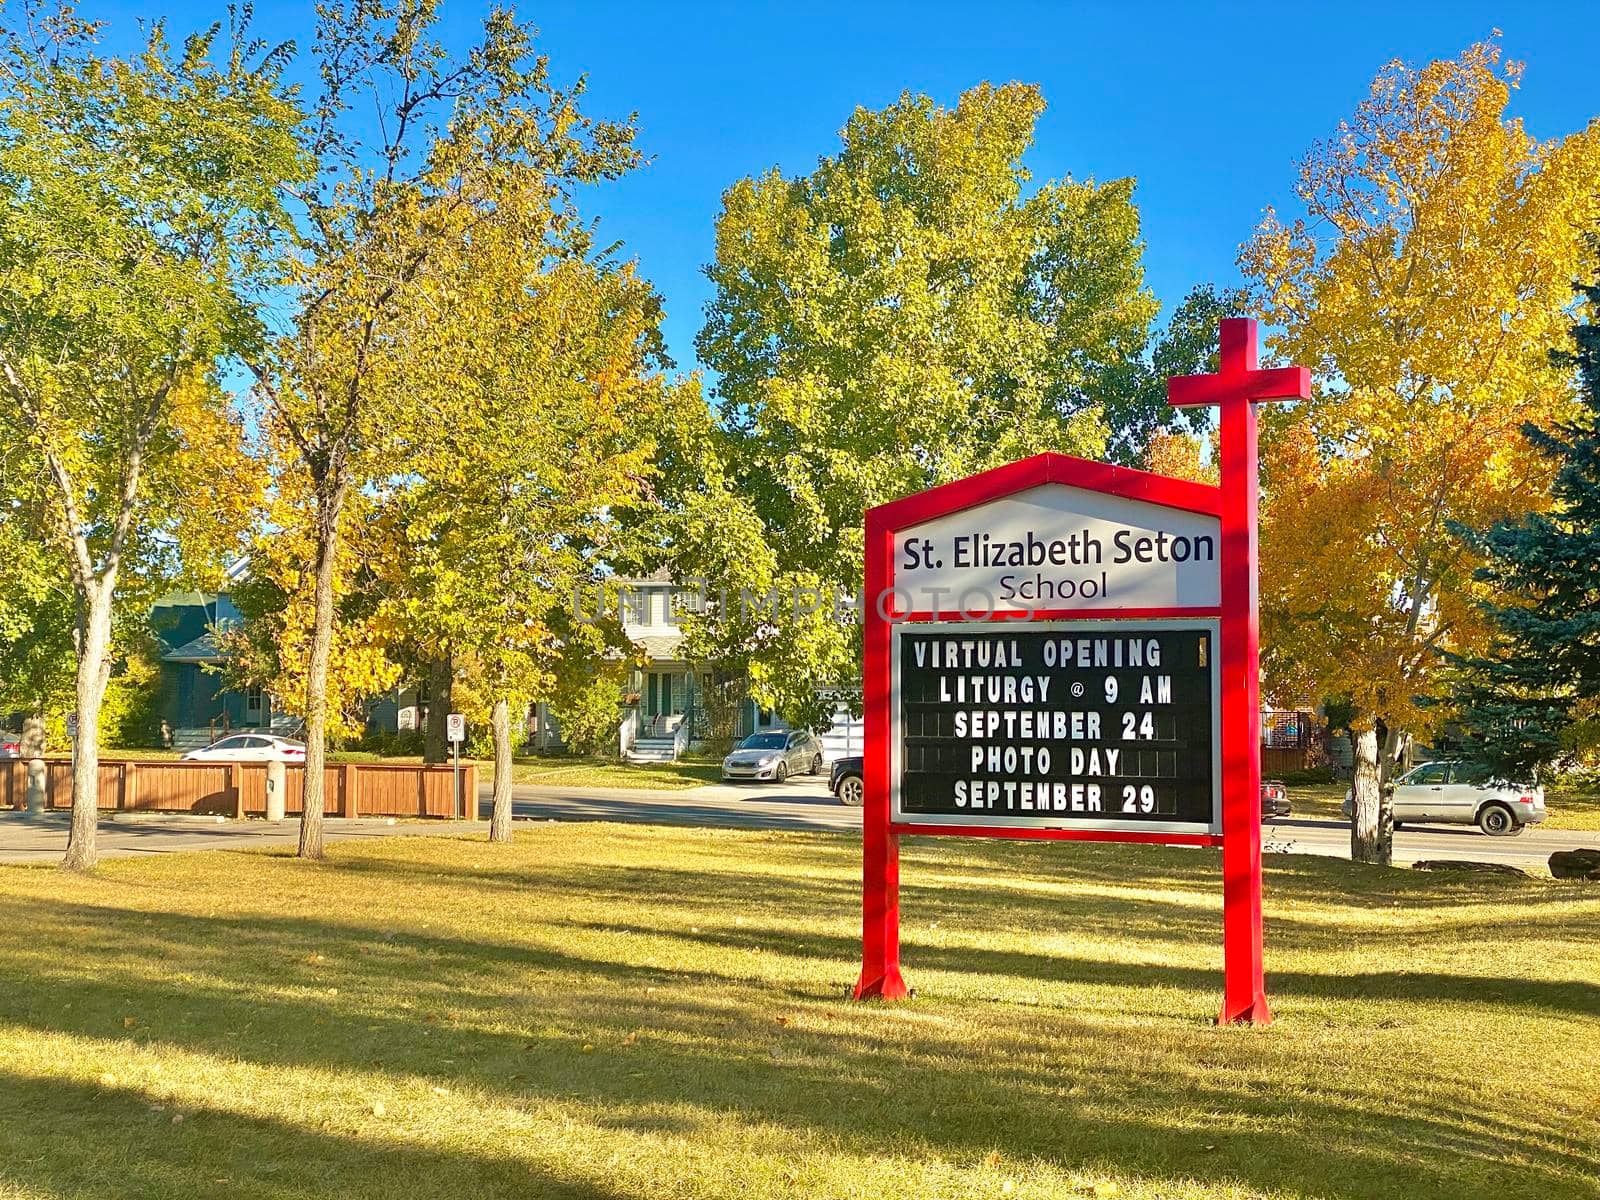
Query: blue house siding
{"points": [[193, 691]]}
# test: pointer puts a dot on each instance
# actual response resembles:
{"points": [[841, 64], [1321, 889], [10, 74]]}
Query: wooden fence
{"points": [[1283, 760], [240, 789]]}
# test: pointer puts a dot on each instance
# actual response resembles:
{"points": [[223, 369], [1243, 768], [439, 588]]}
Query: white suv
{"points": [[1459, 793]]}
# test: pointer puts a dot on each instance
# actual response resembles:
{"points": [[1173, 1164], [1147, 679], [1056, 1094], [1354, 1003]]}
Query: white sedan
{"points": [[250, 747]]}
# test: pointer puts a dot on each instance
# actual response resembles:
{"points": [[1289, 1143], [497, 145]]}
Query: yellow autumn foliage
{"points": [[1426, 285]]}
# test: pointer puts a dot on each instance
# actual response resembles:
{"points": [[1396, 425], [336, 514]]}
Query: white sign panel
{"points": [[455, 728], [1056, 547]]}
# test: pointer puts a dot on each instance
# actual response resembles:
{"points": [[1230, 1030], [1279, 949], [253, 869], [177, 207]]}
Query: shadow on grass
{"points": [[513, 1018], [61, 1138]]}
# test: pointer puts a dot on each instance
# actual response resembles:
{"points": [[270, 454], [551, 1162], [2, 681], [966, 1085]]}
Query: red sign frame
{"points": [[1236, 387]]}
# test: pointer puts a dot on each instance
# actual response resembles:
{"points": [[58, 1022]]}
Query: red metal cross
{"points": [[1238, 374], [1236, 388]]}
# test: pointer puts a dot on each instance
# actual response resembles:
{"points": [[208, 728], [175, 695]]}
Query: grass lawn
{"points": [[1564, 810], [580, 772], [602, 1012]]}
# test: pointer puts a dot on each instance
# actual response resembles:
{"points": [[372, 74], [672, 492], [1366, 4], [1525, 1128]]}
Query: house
{"points": [[669, 703], [196, 702], [676, 699]]}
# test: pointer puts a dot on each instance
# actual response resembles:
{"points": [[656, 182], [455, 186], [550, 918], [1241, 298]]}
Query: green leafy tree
{"points": [[1535, 695], [1133, 392], [139, 204], [454, 135], [538, 384], [36, 613], [903, 315], [589, 678]]}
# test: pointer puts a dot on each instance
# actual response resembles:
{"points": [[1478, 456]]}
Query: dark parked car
{"points": [[1274, 799], [844, 781]]}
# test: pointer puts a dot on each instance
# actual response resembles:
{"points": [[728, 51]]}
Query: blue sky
{"points": [[1207, 106]]}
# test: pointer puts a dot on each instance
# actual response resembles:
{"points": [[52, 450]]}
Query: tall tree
{"points": [[453, 134], [539, 386], [899, 317], [1534, 695], [138, 207], [1427, 283]]}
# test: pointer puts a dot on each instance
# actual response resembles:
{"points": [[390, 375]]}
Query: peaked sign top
{"points": [[1239, 377]]}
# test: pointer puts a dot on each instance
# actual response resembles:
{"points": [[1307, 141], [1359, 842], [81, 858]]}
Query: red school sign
{"points": [[1065, 649]]}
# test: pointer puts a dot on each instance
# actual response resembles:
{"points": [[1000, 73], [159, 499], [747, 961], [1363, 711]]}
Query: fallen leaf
{"points": [[781, 1020], [588, 1048], [108, 1080], [992, 1159], [177, 1118], [129, 1022], [441, 1091], [1106, 1188], [378, 1108]]}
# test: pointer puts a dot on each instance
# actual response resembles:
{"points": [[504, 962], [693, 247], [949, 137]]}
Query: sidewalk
{"points": [[43, 839]]}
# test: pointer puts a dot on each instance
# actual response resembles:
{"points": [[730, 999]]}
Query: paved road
{"points": [[801, 804], [806, 804]]}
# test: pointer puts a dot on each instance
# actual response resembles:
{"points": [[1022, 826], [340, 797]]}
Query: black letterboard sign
{"points": [[1105, 725]]}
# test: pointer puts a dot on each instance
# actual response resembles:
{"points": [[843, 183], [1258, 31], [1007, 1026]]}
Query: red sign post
{"points": [[1164, 534]]}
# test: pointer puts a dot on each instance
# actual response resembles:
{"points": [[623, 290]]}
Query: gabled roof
{"points": [[203, 649], [659, 647], [1041, 469]]}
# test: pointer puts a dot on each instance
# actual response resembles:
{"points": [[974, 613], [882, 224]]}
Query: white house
{"points": [[670, 713]]}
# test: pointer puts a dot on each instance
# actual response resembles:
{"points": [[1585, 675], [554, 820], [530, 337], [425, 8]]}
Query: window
{"points": [[763, 741], [1470, 773], [252, 702], [1429, 774]]}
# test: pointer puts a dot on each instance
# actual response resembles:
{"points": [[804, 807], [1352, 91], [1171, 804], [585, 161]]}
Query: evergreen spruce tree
{"points": [[1534, 695]]}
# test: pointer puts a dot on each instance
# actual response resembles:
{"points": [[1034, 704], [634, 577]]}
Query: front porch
{"points": [[669, 715]]}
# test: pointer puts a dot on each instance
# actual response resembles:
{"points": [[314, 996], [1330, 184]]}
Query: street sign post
{"points": [[455, 732], [1065, 649]]}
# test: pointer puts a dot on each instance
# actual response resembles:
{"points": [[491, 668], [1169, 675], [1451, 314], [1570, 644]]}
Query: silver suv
{"points": [[775, 755], [1459, 793]]}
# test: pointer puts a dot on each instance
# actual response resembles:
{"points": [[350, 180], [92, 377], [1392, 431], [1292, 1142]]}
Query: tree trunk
{"points": [[94, 669], [500, 816], [1372, 814], [441, 675], [317, 675]]}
